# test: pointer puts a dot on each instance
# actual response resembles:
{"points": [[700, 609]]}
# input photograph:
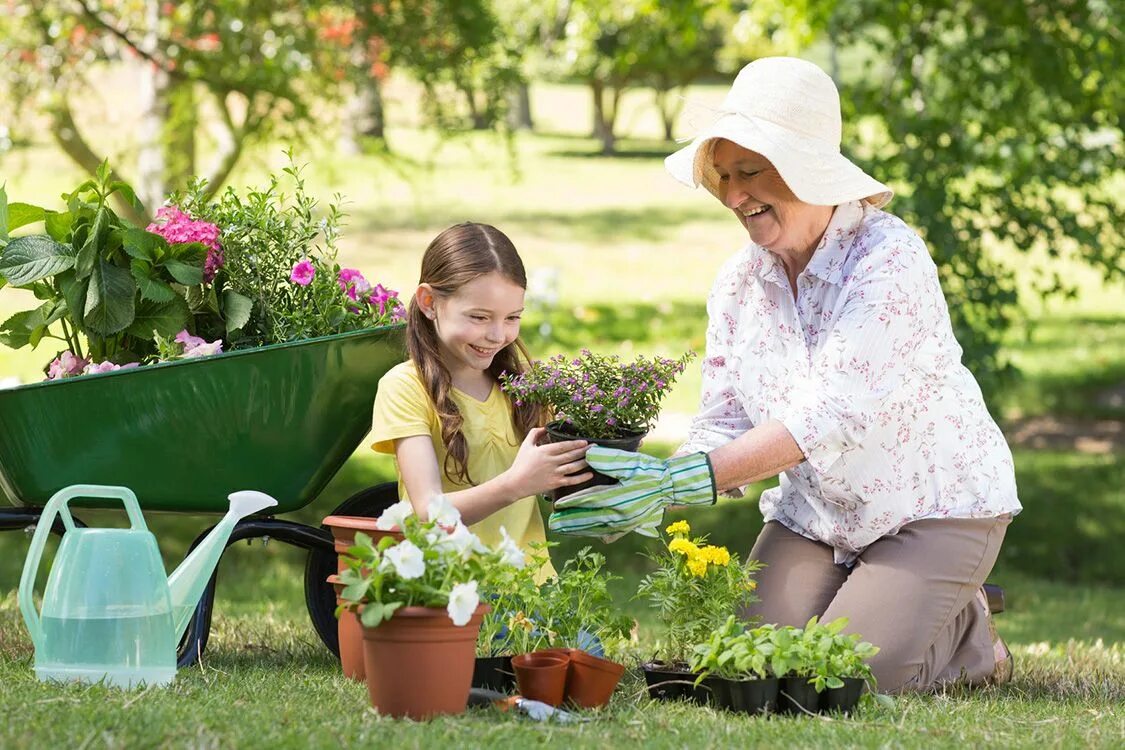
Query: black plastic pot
{"points": [[494, 673], [796, 695], [752, 696], [558, 432], [844, 698], [705, 693], [668, 683]]}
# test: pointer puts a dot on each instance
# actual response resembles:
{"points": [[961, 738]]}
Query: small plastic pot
{"points": [[669, 682], [796, 695], [752, 696], [844, 698], [494, 673], [542, 677], [592, 679], [558, 432]]}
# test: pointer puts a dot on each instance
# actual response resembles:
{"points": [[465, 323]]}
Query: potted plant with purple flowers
{"points": [[598, 398]]}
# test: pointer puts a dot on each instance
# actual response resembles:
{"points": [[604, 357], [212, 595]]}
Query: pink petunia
{"points": [[303, 272], [189, 341], [108, 366], [352, 283], [380, 295], [197, 347]]}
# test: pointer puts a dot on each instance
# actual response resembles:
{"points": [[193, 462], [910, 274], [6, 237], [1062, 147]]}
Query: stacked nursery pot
{"points": [[567, 675]]}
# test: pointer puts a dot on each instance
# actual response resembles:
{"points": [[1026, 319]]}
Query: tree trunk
{"points": [[363, 116], [668, 111], [150, 187], [521, 107], [604, 117]]}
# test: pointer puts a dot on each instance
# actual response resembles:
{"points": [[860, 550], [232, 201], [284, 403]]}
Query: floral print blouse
{"points": [[863, 370]]}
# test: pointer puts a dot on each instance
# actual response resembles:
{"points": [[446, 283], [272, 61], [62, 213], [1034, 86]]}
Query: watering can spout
{"points": [[187, 582]]}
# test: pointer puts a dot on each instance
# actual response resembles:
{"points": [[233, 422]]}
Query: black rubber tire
{"points": [[319, 596]]}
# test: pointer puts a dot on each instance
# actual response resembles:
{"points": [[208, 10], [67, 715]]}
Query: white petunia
{"points": [[407, 560], [443, 511], [463, 601], [394, 516], [462, 541], [510, 552]]}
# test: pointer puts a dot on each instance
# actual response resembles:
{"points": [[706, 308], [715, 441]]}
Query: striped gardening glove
{"points": [[646, 486]]}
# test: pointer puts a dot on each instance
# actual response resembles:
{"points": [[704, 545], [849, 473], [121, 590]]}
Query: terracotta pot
{"points": [[419, 664], [557, 432], [350, 634], [592, 679], [542, 677], [343, 530]]}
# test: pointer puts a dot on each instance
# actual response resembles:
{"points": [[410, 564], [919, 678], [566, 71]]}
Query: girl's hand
{"points": [[539, 468]]}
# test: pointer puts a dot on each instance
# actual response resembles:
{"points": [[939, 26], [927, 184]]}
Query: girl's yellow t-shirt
{"points": [[403, 409]]}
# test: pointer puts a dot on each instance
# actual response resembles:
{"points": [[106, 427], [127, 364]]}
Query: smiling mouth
{"points": [[483, 352], [755, 212]]}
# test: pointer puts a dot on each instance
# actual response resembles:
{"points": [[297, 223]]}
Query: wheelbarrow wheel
{"points": [[320, 598]]}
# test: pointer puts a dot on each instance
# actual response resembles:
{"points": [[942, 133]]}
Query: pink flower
{"points": [[197, 347], [107, 366], [178, 228], [66, 365], [303, 273], [352, 283], [380, 295], [399, 313]]}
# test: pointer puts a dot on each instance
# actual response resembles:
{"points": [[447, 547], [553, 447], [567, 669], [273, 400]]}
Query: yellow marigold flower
{"points": [[751, 585], [697, 566], [715, 555], [684, 547], [679, 527], [520, 620]]}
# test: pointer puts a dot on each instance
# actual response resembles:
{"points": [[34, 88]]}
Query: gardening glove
{"points": [[646, 486]]}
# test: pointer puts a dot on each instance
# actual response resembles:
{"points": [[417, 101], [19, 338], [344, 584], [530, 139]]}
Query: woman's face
{"points": [[775, 218]]}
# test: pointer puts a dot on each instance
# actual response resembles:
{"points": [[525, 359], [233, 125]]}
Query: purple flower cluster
{"points": [[597, 395], [177, 227], [356, 288]]}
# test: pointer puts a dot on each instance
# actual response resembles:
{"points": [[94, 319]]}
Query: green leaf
{"points": [[236, 309], [165, 318], [193, 253], [88, 255], [142, 245], [28, 259], [74, 292], [126, 191], [3, 214], [186, 274], [58, 225], [151, 289], [110, 299], [15, 332], [371, 616], [22, 214]]}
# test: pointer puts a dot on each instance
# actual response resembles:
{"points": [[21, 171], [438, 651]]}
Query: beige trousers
{"points": [[912, 594]]}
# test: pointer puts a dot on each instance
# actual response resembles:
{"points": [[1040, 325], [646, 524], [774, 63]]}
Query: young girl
{"points": [[442, 413]]}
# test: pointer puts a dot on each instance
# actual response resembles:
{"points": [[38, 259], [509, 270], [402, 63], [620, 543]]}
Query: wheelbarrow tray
{"points": [[182, 435]]}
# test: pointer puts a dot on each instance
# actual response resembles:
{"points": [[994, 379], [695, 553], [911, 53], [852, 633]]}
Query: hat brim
{"points": [[816, 172]]}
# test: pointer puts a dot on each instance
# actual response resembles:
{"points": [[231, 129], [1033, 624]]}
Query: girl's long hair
{"points": [[454, 258]]}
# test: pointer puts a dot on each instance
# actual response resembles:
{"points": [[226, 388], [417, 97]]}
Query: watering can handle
{"points": [[57, 505]]}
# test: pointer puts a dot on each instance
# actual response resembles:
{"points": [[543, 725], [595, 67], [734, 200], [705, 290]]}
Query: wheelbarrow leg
{"points": [[15, 519], [297, 534]]}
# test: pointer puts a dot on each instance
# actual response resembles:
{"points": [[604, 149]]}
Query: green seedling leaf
{"points": [[236, 309], [126, 191], [165, 318], [95, 238], [29, 259], [110, 300]]}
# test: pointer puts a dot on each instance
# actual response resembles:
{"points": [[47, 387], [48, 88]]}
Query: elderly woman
{"points": [[831, 360]]}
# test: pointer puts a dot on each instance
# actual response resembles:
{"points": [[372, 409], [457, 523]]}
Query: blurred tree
{"points": [[999, 123], [253, 62]]}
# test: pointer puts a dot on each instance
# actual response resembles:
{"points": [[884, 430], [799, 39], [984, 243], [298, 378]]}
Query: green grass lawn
{"points": [[633, 255]]}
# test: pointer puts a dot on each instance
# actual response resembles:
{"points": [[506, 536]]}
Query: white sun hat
{"points": [[787, 110]]}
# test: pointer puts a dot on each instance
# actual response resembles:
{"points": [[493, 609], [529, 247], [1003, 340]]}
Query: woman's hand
{"points": [[539, 468]]}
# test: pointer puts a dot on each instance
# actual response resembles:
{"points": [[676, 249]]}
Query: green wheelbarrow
{"points": [[183, 435]]}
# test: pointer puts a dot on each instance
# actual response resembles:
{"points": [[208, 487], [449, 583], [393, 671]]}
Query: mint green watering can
{"points": [[108, 612]]}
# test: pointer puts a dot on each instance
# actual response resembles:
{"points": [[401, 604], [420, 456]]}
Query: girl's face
{"points": [[476, 322]]}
